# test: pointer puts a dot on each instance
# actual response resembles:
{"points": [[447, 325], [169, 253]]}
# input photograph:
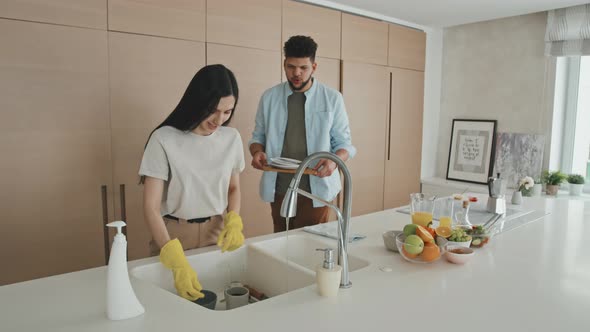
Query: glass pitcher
{"points": [[421, 209]]}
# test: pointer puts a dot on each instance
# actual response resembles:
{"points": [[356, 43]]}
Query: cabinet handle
{"points": [[105, 221], [123, 208], [389, 124]]}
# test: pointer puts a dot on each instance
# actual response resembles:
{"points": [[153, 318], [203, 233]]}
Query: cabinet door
{"points": [[407, 47], [402, 168], [252, 23], [169, 18], [148, 76], [87, 13], [327, 72], [364, 40], [366, 95], [256, 71], [55, 148], [321, 24]]}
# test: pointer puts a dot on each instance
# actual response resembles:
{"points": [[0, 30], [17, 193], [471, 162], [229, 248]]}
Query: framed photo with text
{"points": [[471, 154]]}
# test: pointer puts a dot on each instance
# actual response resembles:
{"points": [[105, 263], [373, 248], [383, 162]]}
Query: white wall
{"points": [[495, 70], [432, 90]]}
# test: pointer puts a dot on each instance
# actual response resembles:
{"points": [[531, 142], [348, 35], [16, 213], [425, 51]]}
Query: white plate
{"points": [[283, 160], [284, 166]]}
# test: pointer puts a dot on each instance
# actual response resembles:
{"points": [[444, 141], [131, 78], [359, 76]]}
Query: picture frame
{"points": [[472, 150]]}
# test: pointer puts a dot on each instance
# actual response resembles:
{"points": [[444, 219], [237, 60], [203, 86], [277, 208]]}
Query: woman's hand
{"points": [[231, 237]]}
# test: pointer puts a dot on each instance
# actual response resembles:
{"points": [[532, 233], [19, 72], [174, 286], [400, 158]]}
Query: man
{"points": [[295, 119]]}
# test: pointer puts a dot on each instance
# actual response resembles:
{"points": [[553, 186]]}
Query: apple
{"points": [[414, 245], [410, 229]]}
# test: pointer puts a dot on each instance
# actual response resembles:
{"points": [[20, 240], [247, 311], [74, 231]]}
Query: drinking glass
{"points": [[445, 211], [421, 209]]}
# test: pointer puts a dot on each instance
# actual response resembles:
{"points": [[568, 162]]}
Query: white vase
{"points": [[576, 189], [517, 198], [537, 189]]}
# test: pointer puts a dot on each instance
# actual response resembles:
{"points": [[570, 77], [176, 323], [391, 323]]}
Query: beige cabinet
{"points": [[148, 76], [169, 18], [55, 147], [255, 71], [78, 103], [328, 72], [407, 47], [86, 13], [252, 23], [321, 24], [365, 88], [364, 40], [402, 166]]}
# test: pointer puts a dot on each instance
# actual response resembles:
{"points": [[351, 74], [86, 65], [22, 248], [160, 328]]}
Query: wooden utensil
{"points": [[268, 168]]}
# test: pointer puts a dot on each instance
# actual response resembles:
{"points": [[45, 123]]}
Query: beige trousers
{"points": [[191, 235]]}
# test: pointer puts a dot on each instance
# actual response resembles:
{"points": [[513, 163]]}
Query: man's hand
{"points": [[259, 160], [325, 167]]}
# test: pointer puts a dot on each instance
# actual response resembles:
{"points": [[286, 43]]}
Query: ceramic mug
{"points": [[236, 297]]}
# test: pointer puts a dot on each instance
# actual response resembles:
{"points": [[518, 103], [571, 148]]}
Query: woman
{"points": [[190, 171]]}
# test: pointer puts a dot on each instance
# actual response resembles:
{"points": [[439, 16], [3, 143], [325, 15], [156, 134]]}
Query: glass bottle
{"points": [[462, 216]]}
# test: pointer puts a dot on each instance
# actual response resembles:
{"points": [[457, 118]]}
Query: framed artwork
{"points": [[517, 156], [471, 154]]}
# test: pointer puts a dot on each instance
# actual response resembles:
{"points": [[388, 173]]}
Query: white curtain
{"points": [[568, 31]]}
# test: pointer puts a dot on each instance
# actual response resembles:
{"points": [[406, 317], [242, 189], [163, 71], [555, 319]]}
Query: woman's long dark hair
{"points": [[208, 86], [201, 97]]}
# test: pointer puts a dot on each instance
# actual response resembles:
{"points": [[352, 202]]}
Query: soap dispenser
{"points": [[328, 274], [121, 300]]}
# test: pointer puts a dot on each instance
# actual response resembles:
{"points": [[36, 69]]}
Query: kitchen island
{"points": [[535, 277]]}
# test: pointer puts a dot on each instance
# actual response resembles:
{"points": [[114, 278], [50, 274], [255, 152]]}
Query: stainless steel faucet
{"points": [[289, 207]]}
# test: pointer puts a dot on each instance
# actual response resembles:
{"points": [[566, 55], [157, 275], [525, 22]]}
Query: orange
{"points": [[430, 252], [443, 231], [423, 233], [431, 231]]}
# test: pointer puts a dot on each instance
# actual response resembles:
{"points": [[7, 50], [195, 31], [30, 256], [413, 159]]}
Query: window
{"points": [[575, 140]]}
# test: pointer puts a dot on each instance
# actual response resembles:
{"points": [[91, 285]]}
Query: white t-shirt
{"points": [[196, 169]]}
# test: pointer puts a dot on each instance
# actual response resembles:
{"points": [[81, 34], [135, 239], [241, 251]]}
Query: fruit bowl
{"points": [[459, 237], [419, 252], [465, 244]]}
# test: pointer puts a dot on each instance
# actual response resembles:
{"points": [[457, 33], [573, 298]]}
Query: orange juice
{"points": [[445, 221], [422, 218]]}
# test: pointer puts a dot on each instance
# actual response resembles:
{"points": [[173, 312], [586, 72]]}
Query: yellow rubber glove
{"points": [[231, 237], [185, 278]]}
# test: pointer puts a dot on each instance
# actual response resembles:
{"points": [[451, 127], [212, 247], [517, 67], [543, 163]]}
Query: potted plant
{"points": [[553, 180], [576, 182], [525, 185]]}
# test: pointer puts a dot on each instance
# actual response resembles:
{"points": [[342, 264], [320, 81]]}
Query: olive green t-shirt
{"points": [[295, 142]]}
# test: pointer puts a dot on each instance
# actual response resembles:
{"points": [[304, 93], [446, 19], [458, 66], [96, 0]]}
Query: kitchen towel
{"points": [[330, 230]]}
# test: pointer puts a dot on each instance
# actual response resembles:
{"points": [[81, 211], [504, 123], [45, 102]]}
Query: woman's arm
{"points": [[153, 190], [234, 195]]}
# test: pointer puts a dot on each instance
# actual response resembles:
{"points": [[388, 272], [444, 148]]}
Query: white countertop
{"points": [[533, 278]]}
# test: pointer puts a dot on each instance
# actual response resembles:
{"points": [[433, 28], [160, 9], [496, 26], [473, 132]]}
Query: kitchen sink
{"points": [[301, 250], [273, 267]]}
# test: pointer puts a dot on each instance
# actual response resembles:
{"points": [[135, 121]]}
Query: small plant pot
{"points": [[576, 189], [517, 198], [552, 189]]}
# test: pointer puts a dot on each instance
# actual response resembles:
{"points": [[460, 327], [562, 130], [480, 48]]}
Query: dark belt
{"points": [[195, 220]]}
